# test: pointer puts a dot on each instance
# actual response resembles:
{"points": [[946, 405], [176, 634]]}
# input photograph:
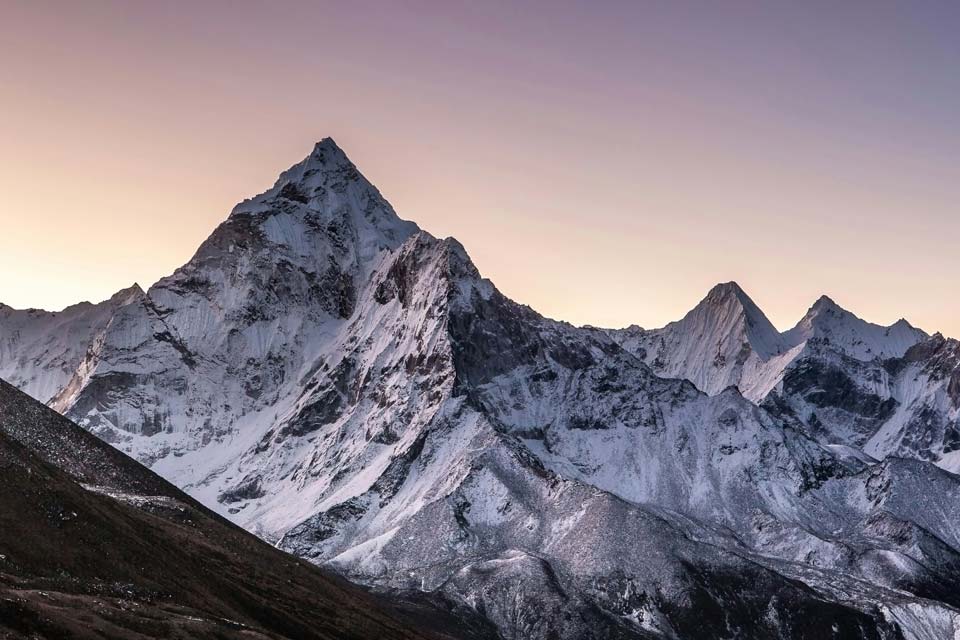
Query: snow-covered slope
{"points": [[828, 323], [884, 391], [350, 388], [725, 341], [243, 321], [862, 388], [41, 350]]}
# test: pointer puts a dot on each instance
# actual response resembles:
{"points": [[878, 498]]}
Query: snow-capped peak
{"points": [[713, 344], [828, 322], [326, 156], [125, 296], [325, 193], [727, 308], [726, 290]]}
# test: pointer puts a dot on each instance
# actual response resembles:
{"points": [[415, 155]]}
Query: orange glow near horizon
{"points": [[604, 167]]}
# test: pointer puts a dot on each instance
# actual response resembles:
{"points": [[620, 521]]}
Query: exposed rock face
{"points": [[350, 388]]}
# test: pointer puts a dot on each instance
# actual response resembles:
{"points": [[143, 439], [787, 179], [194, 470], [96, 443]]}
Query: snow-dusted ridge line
{"points": [[849, 383]]}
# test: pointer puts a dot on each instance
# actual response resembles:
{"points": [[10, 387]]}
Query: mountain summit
{"points": [[713, 345], [729, 307], [826, 321]]}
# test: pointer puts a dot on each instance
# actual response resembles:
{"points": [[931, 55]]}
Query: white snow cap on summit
{"points": [[325, 190], [828, 322], [324, 159], [727, 309], [326, 153], [713, 345]]}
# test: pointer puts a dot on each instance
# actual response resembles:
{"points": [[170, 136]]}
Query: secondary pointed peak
{"points": [[727, 310], [732, 285], [829, 323], [424, 245], [727, 288], [825, 304], [128, 295], [824, 311], [728, 294]]}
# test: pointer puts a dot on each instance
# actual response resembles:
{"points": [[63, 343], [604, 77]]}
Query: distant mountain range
{"points": [[349, 388]]}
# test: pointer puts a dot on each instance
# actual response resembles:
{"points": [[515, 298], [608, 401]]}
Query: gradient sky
{"points": [[604, 162]]}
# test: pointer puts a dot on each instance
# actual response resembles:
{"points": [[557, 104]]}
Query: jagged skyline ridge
{"points": [[722, 291]]}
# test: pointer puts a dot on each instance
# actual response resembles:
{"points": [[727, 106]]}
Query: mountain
{"points": [[351, 389], [866, 390], [828, 323], [883, 391], [724, 341], [96, 546]]}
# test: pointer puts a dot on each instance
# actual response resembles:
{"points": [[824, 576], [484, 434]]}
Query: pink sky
{"points": [[605, 163]]}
